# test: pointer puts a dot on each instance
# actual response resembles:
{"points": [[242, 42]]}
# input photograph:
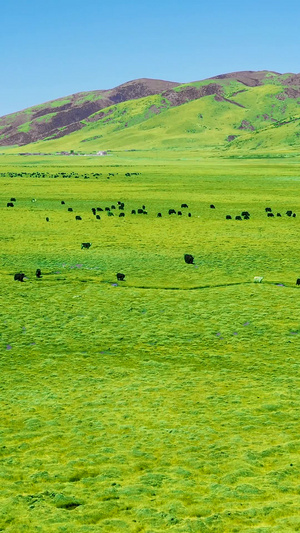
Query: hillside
{"points": [[233, 112], [63, 116]]}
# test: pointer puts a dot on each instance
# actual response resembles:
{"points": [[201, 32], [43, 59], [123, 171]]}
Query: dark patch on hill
{"points": [[289, 92], [99, 116], [139, 89], [246, 125], [250, 78], [220, 98], [189, 93], [238, 92], [94, 138], [292, 80]]}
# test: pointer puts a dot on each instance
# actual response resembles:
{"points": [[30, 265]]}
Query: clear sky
{"points": [[52, 48]]}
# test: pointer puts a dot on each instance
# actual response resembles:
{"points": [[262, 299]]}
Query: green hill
{"points": [[233, 113]]}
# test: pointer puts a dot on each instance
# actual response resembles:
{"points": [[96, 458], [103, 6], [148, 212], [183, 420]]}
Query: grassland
{"points": [[168, 402]]}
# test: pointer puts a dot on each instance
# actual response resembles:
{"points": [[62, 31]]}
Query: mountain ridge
{"points": [[74, 108], [227, 111]]}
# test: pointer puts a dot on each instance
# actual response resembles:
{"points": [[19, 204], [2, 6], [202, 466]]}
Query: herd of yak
{"points": [[113, 209]]}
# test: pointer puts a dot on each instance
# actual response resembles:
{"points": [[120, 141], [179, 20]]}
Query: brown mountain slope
{"points": [[60, 117], [250, 78]]}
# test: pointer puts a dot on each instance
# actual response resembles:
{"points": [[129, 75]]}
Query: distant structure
{"points": [[102, 152]]}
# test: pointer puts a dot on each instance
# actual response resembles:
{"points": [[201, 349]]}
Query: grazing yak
{"points": [[258, 279], [184, 205], [189, 259], [122, 215], [298, 281], [19, 277], [159, 215], [98, 217], [212, 206], [270, 214], [140, 211], [70, 209], [228, 217], [47, 219], [38, 273], [9, 204], [172, 212], [62, 202], [133, 212], [78, 217], [86, 245], [13, 200], [268, 209], [289, 213], [120, 276], [93, 210]]}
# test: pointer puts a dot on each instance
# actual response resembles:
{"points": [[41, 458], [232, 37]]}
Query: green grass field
{"points": [[169, 401]]}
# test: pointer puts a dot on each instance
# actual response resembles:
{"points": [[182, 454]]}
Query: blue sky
{"points": [[55, 48]]}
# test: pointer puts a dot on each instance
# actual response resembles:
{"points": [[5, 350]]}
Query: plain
{"points": [[168, 401]]}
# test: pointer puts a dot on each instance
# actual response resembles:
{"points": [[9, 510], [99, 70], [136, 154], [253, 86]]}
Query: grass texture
{"points": [[169, 401]]}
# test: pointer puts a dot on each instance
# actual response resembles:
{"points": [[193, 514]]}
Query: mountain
{"points": [[232, 112], [65, 115]]}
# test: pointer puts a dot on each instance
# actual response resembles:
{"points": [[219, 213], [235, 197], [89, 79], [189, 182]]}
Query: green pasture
{"points": [[169, 401]]}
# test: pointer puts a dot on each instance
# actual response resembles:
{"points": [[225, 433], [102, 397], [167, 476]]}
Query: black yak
{"points": [[189, 259]]}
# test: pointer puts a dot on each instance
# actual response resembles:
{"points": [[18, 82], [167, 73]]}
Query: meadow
{"points": [[169, 401]]}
